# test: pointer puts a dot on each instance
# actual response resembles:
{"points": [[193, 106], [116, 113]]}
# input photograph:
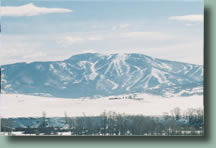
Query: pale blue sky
{"points": [[44, 30]]}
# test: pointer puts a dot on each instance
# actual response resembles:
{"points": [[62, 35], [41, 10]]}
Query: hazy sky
{"points": [[41, 30]]}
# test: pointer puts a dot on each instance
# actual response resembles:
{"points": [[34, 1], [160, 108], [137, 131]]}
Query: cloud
{"points": [[34, 55], [188, 25], [123, 26], [147, 35], [94, 38], [188, 18], [29, 10], [120, 26], [28, 48], [71, 40], [19, 52], [114, 28]]}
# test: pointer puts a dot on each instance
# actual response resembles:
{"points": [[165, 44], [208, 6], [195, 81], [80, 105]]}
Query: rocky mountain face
{"points": [[91, 75]]}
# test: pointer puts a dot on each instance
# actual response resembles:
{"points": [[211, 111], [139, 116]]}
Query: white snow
{"points": [[134, 80], [52, 68], [160, 75], [163, 65], [7, 86], [63, 65], [118, 63], [89, 75], [14, 105], [77, 81], [137, 68], [115, 85], [199, 69], [194, 90], [59, 73], [94, 74], [147, 79]]}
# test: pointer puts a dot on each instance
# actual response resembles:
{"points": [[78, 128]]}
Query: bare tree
{"points": [[176, 112]]}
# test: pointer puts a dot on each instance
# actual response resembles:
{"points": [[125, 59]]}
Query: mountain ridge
{"points": [[94, 74]]}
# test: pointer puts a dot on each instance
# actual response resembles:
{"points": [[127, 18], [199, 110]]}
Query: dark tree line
{"points": [[113, 124]]}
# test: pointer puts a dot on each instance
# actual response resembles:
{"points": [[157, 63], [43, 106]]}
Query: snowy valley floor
{"points": [[16, 105]]}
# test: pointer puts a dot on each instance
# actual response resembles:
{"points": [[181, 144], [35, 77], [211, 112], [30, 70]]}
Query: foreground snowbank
{"points": [[13, 105]]}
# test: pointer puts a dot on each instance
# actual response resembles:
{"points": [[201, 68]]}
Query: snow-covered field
{"points": [[16, 105]]}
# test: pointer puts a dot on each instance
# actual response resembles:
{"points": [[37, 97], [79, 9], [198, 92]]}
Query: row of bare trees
{"points": [[111, 123]]}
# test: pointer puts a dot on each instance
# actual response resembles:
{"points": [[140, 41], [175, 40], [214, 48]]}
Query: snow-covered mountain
{"points": [[91, 74]]}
